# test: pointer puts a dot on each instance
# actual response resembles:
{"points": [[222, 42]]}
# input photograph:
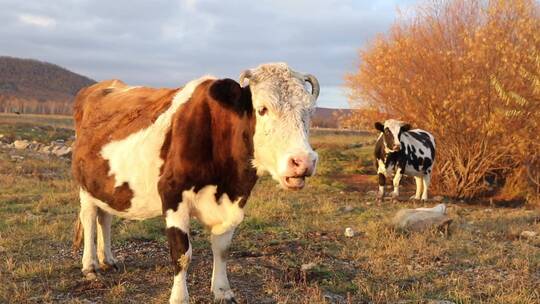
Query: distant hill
{"points": [[328, 118], [31, 86]]}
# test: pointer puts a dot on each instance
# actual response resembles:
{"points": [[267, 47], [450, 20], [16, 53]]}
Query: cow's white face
{"points": [[391, 130], [283, 108]]}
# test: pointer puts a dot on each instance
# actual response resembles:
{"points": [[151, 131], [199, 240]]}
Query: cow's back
{"points": [[111, 110]]}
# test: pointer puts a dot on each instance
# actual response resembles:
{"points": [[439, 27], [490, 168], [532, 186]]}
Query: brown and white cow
{"points": [[190, 152]]}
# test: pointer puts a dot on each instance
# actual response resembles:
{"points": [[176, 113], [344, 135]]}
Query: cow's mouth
{"points": [[293, 182]]}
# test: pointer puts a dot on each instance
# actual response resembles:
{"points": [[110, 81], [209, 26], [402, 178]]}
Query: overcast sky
{"points": [[167, 43]]}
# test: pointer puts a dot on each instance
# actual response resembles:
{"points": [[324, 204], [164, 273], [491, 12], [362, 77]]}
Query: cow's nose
{"points": [[302, 164]]}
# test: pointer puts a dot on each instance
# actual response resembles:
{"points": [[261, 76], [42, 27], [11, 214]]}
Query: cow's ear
{"points": [[229, 93], [406, 127], [379, 126], [226, 91]]}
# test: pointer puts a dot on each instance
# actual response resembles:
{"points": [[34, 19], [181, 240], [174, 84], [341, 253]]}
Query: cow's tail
{"points": [[77, 236]]}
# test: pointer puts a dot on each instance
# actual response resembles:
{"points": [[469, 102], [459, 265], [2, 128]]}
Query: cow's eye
{"points": [[262, 111]]}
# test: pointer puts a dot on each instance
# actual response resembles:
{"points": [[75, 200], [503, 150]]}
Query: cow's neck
{"points": [[217, 145], [232, 150]]}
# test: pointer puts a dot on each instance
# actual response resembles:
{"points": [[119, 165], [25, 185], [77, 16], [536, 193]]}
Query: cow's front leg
{"points": [[382, 183], [397, 179], [220, 283], [177, 223], [104, 252]]}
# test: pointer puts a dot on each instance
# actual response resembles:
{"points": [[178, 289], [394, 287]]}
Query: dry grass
{"points": [[482, 260]]}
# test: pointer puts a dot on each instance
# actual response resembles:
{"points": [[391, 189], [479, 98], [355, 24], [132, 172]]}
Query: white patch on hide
{"points": [[136, 159], [220, 216]]}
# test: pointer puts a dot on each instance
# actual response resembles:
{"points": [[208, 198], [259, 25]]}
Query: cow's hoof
{"points": [[225, 301], [90, 275], [108, 267], [224, 297]]}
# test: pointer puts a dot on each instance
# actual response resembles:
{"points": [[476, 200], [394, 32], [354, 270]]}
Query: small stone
{"points": [[438, 198], [348, 208], [333, 298], [349, 232], [45, 149], [440, 302], [308, 266], [61, 151], [371, 193], [17, 157], [21, 144], [528, 234]]}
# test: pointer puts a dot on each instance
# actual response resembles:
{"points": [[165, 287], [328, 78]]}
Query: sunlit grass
{"points": [[482, 260]]}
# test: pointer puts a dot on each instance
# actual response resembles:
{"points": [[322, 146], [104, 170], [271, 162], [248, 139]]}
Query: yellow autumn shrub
{"points": [[464, 70]]}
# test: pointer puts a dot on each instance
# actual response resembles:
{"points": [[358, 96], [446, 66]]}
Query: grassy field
{"points": [[482, 260]]}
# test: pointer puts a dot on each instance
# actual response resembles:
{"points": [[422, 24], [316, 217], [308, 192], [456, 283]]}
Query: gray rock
{"points": [[35, 146], [528, 234], [21, 144], [438, 198], [16, 157], [334, 298], [371, 193], [45, 149], [421, 218], [61, 151], [348, 208], [308, 266]]}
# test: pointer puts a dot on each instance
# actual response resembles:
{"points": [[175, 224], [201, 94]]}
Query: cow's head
{"points": [[391, 132], [283, 108]]}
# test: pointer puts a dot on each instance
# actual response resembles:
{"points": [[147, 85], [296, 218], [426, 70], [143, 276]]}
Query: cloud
{"points": [[169, 42], [40, 21]]}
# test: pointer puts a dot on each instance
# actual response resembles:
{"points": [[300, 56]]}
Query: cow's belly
{"points": [[136, 161], [411, 171], [142, 207], [220, 215]]}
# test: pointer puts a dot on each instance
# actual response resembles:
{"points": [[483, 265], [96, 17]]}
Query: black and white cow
{"points": [[403, 151]]}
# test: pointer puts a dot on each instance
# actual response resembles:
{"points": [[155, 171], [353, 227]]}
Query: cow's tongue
{"points": [[295, 182]]}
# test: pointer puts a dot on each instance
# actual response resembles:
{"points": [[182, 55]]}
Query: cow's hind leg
{"points": [[220, 283], [88, 216], [104, 252], [418, 193], [177, 223], [426, 180]]}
